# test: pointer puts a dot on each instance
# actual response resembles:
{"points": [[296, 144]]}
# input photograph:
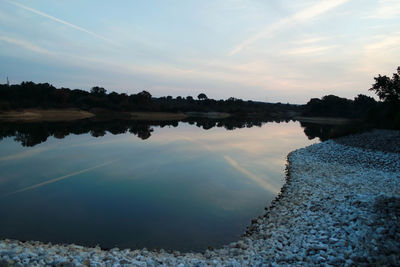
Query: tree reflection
{"points": [[327, 131], [31, 134]]}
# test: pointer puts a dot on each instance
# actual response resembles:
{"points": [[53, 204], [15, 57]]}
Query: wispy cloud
{"points": [[25, 44], [59, 178], [299, 17], [387, 9], [379, 54], [310, 40], [385, 43], [76, 27], [310, 50]]}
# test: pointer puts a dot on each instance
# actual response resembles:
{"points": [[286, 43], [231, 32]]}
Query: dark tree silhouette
{"points": [[388, 90], [98, 100], [96, 90], [144, 95], [202, 96]]}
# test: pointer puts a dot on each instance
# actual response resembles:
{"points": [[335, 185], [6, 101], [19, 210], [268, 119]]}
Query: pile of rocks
{"points": [[340, 206]]}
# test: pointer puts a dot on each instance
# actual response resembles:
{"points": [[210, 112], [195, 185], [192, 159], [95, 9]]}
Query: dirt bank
{"points": [[37, 115]]}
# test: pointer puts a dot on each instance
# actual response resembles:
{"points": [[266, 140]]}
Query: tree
{"points": [[388, 89], [144, 95], [364, 101], [202, 96], [98, 90]]}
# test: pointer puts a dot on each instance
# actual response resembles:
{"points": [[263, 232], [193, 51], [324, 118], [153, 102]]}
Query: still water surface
{"points": [[184, 188]]}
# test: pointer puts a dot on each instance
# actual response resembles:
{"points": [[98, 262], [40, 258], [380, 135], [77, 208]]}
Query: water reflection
{"points": [[31, 134], [58, 178], [183, 188], [328, 131]]}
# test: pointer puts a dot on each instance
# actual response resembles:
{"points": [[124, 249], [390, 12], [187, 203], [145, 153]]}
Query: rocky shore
{"points": [[340, 206]]}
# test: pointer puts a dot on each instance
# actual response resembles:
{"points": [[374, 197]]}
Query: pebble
{"points": [[339, 206]]}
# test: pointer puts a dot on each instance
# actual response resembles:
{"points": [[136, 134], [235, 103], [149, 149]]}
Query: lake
{"points": [[178, 186]]}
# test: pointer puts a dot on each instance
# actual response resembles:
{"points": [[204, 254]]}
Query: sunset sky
{"points": [[267, 50]]}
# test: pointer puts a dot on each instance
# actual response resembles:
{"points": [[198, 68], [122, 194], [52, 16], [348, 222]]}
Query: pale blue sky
{"points": [[275, 50]]}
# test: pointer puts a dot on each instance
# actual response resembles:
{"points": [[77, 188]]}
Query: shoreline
{"points": [[337, 207], [74, 114], [325, 120], [41, 115]]}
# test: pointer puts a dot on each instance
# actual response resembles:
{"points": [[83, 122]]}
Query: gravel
{"points": [[381, 140], [340, 206]]}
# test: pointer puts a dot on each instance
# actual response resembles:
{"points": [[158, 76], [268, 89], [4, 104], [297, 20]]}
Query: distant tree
{"points": [[114, 97], [202, 96], [388, 89], [329, 105], [364, 101], [144, 95], [189, 98], [98, 90]]}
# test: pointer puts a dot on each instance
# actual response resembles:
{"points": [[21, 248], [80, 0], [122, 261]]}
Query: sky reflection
{"points": [[184, 188]]}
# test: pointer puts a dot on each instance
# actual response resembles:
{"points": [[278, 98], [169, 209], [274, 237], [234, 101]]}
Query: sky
{"points": [[265, 50]]}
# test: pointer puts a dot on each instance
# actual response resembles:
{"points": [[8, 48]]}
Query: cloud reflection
{"points": [[251, 175], [59, 178], [24, 154]]}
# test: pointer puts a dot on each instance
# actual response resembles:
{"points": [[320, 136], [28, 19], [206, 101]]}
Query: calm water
{"points": [[184, 188]]}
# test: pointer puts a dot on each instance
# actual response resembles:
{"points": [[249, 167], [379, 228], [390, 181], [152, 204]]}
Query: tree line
{"points": [[383, 114], [44, 95]]}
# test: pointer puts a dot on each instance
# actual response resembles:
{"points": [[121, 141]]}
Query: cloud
{"points": [[310, 40], [310, 50], [379, 54], [299, 17], [387, 9], [385, 43], [76, 27], [25, 44]]}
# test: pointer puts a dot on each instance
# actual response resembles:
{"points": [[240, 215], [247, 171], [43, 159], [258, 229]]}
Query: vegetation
{"points": [[387, 113], [334, 106], [45, 96], [388, 90], [382, 114]]}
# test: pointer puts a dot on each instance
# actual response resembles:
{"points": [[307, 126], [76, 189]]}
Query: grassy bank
{"points": [[64, 115]]}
